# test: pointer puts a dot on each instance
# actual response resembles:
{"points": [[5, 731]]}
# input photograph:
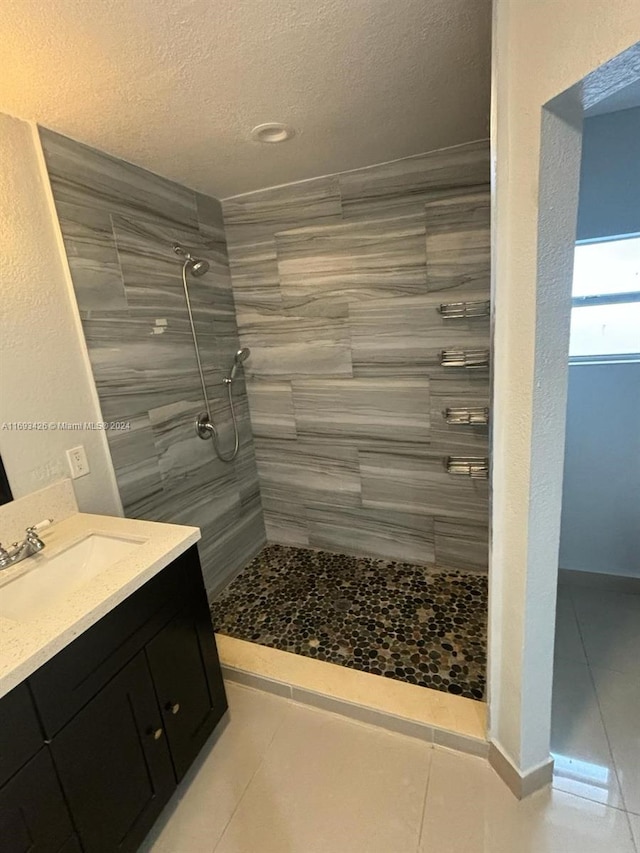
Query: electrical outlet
{"points": [[78, 463]]}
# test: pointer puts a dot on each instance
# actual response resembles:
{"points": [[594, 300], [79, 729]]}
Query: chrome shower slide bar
{"points": [[469, 416], [464, 310], [476, 467], [471, 358]]}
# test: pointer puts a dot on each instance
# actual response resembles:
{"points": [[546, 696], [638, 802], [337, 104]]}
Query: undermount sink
{"points": [[53, 578]]}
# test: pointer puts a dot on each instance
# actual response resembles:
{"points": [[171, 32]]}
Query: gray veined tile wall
{"points": [[337, 284], [119, 223]]}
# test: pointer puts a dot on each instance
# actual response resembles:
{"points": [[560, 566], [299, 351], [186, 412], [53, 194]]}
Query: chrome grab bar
{"points": [[470, 416], [476, 467], [471, 358], [464, 310]]}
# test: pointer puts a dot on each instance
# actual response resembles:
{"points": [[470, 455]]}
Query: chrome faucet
{"points": [[21, 550]]}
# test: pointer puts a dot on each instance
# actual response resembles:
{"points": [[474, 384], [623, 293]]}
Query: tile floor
{"points": [[285, 778], [596, 710], [280, 777], [419, 624]]}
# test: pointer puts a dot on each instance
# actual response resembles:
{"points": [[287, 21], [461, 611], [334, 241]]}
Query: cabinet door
{"points": [[20, 734], [114, 763], [33, 814], [183, 659]]}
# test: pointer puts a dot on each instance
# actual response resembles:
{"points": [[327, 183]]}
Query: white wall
{"points": [[610, 176], [540, 50], [44, 369], [601, 491]]}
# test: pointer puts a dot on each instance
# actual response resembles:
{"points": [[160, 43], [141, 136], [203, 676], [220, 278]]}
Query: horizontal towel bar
{"points": [[464, 310], [471, 416], [476, 467], [471, 358]]}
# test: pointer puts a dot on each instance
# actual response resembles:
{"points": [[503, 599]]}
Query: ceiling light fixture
{"points": [[272, 131]]}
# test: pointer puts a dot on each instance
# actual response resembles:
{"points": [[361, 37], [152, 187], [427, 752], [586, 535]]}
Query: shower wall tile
{"points": [[308, 471], [93, 258], [258, 216], [89, 178], [459, 242], [354, 260], [135, 458], [393, 337], [363, 409], [286, 522], [119, 224], [287, 345], [405, 185], [466, 389], [361, 530], [420, 484], [461, 544], [337, 284], [271, 407]]}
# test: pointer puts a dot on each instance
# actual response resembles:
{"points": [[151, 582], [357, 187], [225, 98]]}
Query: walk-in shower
{"points": [[204, 425]]}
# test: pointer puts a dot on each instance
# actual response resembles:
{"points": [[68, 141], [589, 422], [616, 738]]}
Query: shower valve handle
{"points": [[204, 428]]}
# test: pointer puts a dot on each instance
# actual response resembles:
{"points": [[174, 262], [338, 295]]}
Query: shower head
{"points": [[241, 356], [196, 266]]}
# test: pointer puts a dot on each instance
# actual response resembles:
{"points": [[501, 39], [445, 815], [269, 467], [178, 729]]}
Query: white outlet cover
{"points": [[78, 462]]}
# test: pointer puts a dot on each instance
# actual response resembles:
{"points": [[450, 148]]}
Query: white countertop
{"points": [[27, 645]]}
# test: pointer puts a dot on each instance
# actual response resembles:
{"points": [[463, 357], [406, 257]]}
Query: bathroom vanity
{"points": [[115, 691]]}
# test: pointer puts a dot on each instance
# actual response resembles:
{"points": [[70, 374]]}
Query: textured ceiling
{"points": [[176, 85]]}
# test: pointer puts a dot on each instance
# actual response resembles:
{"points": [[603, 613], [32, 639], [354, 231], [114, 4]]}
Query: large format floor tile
{"points": [[610, 627], [195, 819], [283, 778], [619, 699], [583, 762], [328, 784], [469, 810]]}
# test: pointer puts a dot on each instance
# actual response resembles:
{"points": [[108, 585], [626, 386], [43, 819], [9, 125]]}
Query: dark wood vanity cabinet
{"points": [[121, 714]]}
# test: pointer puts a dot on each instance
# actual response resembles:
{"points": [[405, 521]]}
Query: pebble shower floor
{"points": [[420, 624]]}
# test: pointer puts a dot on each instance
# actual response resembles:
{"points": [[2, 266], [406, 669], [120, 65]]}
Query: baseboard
{"points": [[520, 785], [598, 580]]}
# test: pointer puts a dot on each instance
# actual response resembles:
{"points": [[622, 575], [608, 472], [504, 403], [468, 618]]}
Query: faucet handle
{"points": [[36, 528]]}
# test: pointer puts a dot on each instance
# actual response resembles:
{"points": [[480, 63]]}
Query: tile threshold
{"points": [[430, 715]]}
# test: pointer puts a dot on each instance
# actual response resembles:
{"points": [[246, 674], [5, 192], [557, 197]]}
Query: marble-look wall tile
{"points": [[119, 224], [405, 185], [286, 522], [459, 242], [466, 388], [303, 471], [135, 460], [405, 335], [254, 216], [93, 258], [354, 260], [89, 178], [372, 532], [333, 295], [285, 346], [361, 409], [420, 484], [462, 544], [271, 407]]}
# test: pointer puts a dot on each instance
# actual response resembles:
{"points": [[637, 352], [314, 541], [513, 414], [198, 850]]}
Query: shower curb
{"points": [[266, 662]]}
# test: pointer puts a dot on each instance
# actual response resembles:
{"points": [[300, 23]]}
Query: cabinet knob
{"points": [[157, 733], [174, 707]]}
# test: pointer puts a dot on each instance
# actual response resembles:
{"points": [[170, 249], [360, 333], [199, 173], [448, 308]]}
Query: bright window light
{"points": [[605, 318]]}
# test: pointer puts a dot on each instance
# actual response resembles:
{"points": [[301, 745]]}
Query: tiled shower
{"points": [[364, 299]]}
